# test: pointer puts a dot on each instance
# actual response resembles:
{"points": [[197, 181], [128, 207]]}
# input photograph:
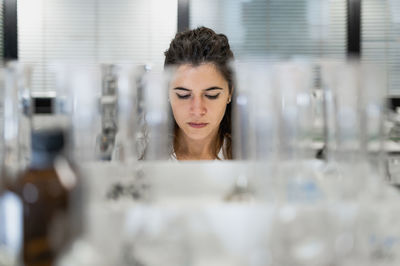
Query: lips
{"points": [[198, 125]]}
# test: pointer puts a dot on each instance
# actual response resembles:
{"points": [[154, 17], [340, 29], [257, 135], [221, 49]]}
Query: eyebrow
{"points": [[181, 89], [209, 89], [214, 88]]}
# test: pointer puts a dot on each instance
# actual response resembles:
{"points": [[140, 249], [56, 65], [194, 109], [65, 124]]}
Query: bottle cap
{"points": [[50, 140]]}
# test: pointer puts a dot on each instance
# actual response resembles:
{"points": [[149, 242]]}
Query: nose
{"points": [[197, 107]]}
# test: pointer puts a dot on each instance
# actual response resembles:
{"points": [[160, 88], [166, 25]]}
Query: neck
{"points": [[192, 149]]}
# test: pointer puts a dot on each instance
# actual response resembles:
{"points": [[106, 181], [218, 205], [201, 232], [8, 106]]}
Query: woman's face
{"points": [[198, 97]]}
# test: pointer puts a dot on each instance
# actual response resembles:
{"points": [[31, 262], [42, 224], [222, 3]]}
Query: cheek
{"points": [[218, 111], [178, 109]]}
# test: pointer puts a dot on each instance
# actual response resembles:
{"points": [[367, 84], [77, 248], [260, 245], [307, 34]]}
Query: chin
{"points": [[196, 135]]}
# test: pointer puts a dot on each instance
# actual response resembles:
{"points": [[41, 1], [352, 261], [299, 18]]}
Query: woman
{"points": [[200, 95]]}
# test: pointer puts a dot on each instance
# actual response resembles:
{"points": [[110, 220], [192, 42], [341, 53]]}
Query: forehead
{"points": [[199, 77]]}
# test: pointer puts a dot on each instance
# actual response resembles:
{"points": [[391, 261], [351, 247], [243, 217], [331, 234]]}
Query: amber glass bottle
{"points": [[45, 201]]}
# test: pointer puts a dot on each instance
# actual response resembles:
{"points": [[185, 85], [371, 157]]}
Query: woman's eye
{"points": [[213, 97], [183, 96]]}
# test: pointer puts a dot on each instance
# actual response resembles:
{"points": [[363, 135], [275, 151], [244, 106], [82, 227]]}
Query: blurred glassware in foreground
{"points": [[131, 136], [11, 224], [108, 112], [354, 102], [276, 205], [157, 114], [117, 112], [44, 193], [17, 117], [79, 89]]}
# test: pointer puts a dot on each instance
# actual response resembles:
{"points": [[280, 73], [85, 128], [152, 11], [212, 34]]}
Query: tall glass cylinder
{"points": [[341, 88], [244, 142], [255, 126], [354, 95], [15, 130], [373, 89], [87, 97], [293, 82], [108, 111], [348, 121], [155, 83], [256, 112], [79, 89], [17, 117], [131, 139], [2, 102]]}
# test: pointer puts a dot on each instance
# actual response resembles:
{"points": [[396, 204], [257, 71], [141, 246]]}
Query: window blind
{"points": [[380, 38], [92, 31], [283, 28]]}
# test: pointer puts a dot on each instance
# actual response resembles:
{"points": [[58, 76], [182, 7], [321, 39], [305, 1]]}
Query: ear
{"points": [[230, 96]]}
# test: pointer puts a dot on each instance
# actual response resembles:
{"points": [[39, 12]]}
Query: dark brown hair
{"points": [[203, 45]]}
